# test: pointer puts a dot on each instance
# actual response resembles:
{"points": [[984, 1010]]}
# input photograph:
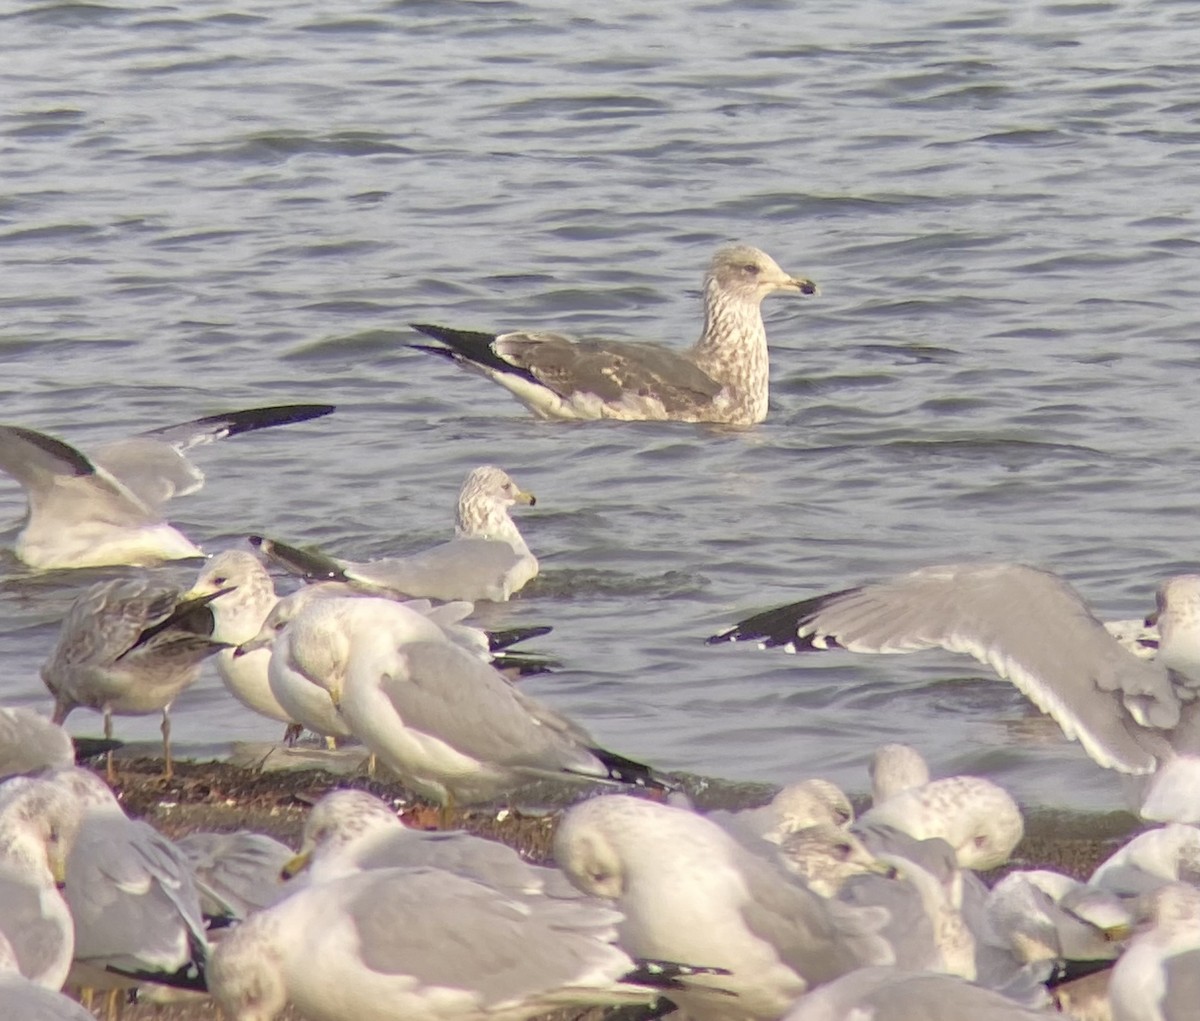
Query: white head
{"points": [[894, 768], [483, 502], [239, 613], [244, 973], [39, 820], [338, 824]]}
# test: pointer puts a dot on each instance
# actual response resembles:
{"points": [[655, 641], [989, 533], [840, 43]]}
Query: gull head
{"points": [[39, 820], [337, 823], [749, 275], [244, 971], [483, 502]]}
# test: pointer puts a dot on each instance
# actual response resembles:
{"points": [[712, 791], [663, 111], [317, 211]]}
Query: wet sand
{"points": [[270, 790]]}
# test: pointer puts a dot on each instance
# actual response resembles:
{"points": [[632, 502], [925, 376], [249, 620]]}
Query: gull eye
{"points": [[842, 851], [219, 582], [750, 269]]}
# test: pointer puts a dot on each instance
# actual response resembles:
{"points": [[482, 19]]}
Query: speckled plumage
{"points": [[723, 378]]}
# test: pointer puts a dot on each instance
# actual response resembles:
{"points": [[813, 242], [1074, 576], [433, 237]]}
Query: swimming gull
{"points": [[107, 508], [38, 824], [131, 894], [1031, 627], [446, 722], [723, 378], [892, 994], [1157, 978], [351, 831], [24, 1000], [487, 559], [689, 891], [428, 945], [129, 647]]}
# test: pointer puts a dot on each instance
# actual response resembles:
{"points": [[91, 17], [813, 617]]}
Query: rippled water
{"points": [[208, 206]]}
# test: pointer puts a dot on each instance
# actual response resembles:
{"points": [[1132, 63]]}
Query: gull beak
{"points": [[294, 866], [803, 285], [335, 694], [58, 869], [526, 498], [262, 640], [1117, 933]]}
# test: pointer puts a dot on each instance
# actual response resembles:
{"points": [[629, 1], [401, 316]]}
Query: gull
{"points": [[895, 768], [38, 825], [27, 1001], [129, 647], [892, 994], [351, 831], [1130, 714], [487, 559], [107, 508], [237, 873], [428, 945], [1045, 916], [29, 742], [450, 726], [795, 807], [131, 894], [689, 891], [242, 595], [1157, 978], [978, 819], [1165, 854], [825, 856], [723, 378]]}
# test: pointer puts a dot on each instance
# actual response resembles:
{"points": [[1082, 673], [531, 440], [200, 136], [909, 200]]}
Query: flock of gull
{"points": [[792, 910]]}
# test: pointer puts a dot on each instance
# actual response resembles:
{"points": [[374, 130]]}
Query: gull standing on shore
{"points": [[723, 378]]}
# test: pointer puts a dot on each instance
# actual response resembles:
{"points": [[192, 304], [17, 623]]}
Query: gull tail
{"points": [[92, 747], [470, 347], [781, 626], [310, 565], [1065, 971], [192, 975]]}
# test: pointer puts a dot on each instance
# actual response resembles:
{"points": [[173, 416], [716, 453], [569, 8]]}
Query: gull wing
{"points": [[1028, 625]]}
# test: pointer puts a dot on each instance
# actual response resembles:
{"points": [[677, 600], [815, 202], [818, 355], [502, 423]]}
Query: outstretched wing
{"points": [[1028, 625]]}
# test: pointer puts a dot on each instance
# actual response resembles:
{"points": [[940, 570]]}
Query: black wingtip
{"points": [[472, 347], [1069, 971], [633, 773], [88, 748], [236, 422], [656, 974], [308, 564], [499, 640], [66, 453], [780, 626]]}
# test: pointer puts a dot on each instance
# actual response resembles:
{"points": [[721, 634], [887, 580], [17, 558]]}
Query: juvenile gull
{"points": [[487, 559], [129, 647], [689, 891], [38, 825], [723, 378], [446, 722], [107, 508], [796, 806], [427, 945], [1130, 714], [24, 1000]]}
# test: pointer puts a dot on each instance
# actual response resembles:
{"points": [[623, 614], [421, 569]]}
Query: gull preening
{"points": [[129, 647], [106, 508], [723, 378], [1132, 714], [488, 557]]}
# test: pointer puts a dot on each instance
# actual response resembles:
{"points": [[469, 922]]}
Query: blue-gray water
{"points": [[216, 205]]}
